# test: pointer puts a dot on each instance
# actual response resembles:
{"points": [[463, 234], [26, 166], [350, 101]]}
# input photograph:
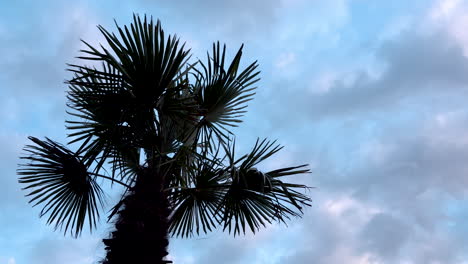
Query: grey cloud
{"points": [[418, 70], [17, 218], [233, 252], [416, 164], [422, 169], [55, 250], [413, 184], [33, 66], [312, 239], [385, 235], [10, 196], [416, 61], [226, 17], [34, 61], [323, 237]]}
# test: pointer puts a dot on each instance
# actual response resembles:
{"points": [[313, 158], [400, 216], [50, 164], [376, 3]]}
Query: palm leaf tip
{"points": [[56, 177]]}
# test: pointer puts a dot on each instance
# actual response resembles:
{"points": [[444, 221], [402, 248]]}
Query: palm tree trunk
{"points": [[141, 234]]}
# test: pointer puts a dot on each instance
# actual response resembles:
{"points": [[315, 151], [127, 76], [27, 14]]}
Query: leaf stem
{"points": [[111, 179]]}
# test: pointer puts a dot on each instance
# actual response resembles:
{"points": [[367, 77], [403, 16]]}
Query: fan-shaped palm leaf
{"points": [[195, 206], [253, 197], [116, 104], [223, 93], [103, 107], [57, 178], [149, 63]]}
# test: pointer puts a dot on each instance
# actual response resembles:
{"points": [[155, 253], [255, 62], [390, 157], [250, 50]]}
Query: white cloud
{"points": [[444, 8], [285, 60], [375, 151], [32, 50], [417, 66], [340, 207], [323, 83], [452, 16], [53, 249], [306, 20]]}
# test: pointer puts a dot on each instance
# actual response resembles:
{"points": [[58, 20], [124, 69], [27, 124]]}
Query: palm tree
{"points": [[147, 119]]}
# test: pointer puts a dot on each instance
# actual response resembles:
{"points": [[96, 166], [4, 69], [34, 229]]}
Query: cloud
{"points": [[213, 17], [267, 26], [409, 173], [36, 52], [385, 235], [414, 66], [33, 70], [7, 260], [451, 16], [391, 209], [11, 144], [328, 232], [285, 60], [393, 142], [60, 250]]}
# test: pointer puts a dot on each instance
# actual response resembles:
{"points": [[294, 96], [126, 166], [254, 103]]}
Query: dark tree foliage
{"points": [[143, 98]]}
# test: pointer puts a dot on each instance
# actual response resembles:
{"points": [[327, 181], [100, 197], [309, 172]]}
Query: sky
{"points": [[371, 94]]}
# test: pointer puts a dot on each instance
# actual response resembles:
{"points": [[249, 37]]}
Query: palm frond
{"points": [[116, 104], [222, 92], [101, 108], [57, 178], [178, 111], [255, 198], [145, 99], [149, 63], [195, 205]]}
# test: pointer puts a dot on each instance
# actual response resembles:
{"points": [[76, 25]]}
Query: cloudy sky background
{"points": [[372, 94]]}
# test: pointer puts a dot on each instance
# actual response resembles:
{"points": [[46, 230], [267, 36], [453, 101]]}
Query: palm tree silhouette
{"points": [[149, 120]]}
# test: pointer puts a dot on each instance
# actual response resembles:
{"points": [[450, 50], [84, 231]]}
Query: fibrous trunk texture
{"points": [[141, 229]]}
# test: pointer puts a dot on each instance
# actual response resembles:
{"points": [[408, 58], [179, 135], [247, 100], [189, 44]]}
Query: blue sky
{"points": [[372, 94]]}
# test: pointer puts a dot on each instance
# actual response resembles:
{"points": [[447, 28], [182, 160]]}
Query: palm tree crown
{"points": [[143, 98]]}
